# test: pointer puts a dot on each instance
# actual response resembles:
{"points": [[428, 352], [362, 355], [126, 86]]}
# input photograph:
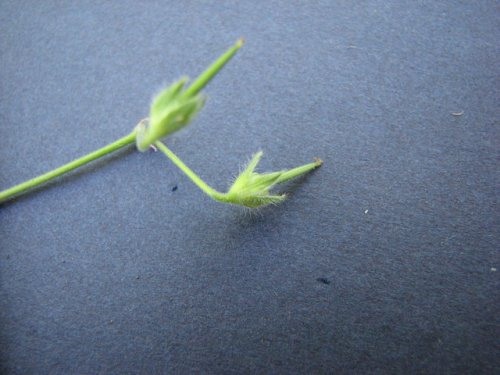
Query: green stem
{"points": [[193, 176], [37, 181], [192, 90]]}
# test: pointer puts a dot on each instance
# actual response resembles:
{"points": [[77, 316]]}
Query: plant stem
{"points": [[37, 181], [228, 197], [193, 176], [192, 90]]}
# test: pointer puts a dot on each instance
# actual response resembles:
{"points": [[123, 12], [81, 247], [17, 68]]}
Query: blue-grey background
{"points": [[382, 261]]}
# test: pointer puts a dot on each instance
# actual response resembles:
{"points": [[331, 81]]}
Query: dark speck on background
{"points": [[323, 280], [174, 188]]}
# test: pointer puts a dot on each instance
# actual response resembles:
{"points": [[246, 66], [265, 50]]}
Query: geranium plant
{"points": [[171, 110]]}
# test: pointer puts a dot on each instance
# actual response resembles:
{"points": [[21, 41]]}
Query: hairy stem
{"points": [[193, 176], [192, 90], [37, 181]]}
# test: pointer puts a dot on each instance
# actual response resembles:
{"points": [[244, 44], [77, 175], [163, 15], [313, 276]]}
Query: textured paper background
{"points": [[382, 261]]}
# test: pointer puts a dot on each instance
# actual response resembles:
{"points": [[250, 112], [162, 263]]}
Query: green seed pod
{"points": [[251, 189], [170, 112]]}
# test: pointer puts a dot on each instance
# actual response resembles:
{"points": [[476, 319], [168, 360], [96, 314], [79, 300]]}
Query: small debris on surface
{"points": [[366, 211], [174, 188], [457, 113], [493, 269], [153, 147], [323, 280]]}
